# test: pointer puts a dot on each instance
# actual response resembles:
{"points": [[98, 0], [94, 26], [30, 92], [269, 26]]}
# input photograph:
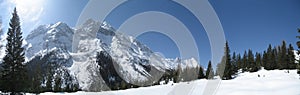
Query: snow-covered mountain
{"points": [[46, 37], [135, 60]]}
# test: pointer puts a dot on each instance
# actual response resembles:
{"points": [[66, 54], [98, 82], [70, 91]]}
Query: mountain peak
{"points": [[57, 35], [59, 25]]}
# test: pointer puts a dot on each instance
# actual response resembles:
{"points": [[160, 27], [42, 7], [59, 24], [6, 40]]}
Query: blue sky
{"points": [[248, 24]]}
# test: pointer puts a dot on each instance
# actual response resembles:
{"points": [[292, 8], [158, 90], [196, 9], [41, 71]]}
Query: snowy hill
{"points": [[274, 82]]}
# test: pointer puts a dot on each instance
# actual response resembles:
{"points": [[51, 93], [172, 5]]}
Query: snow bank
{"points": [[263, 82]]}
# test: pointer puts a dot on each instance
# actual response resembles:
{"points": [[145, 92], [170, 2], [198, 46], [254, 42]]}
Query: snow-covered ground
{"points": [[263, 82]]}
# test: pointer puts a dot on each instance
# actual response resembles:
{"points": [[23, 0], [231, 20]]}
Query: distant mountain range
{"points": [[75, 50]]}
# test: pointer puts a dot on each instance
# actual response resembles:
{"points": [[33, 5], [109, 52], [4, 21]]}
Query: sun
{"points": [[29, 9]]}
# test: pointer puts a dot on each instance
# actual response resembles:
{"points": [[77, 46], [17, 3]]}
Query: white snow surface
{"points": [[57, 35], [274, 82]]}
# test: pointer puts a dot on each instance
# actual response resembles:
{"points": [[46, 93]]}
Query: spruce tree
{"points": [[58, 83], [209, 71], [251, 63], [234, 62], [2, 39], [226, 61], [269, 58], [291, 57], [14, 74], [273, 62], [298, 44], [264, 59], [283, 64], [201, 73], [245, 61], [258, 61], [239, 62]]}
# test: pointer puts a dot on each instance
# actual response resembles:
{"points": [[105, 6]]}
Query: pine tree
{"points": [[239, 62], [14, 75], [273, 62], [264, 59], [201, 73], [251, 62], [269, 58], [283, 64], [49, 77], [36, 79], [298, 44], [291, 57], [258, 61], [234, 62], [245, 61], [209, 71], [177, 77], [2, 39], [226, 61], [57, 83]]}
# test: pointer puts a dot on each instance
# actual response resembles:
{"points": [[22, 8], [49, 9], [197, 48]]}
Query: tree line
{"points": [[277, 57]]}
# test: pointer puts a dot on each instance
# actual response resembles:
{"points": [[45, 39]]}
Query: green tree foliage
{"points": [[258, 62], [270, 58], [234, 62], [282, 56], [239, 62], [244, 61], [57, 83], [298, 44], [251, 61], [201, 72], [209, 71], [178, 71], [108, 71], [13, 75], [226, 65], [291, 58]]}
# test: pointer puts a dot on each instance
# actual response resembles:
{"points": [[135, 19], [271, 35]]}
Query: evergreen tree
{"points": [[283, 63], [14, 75], [49, 77], [209, 71], [36, 79], [269, 58], [239, 62], [257, 62], [177, 74], [291, 57], [264, 59], [58, 83], [2, 39], [234, 62], [273, 62], [108, 71], [245, 61], [226, 61], [201, 73], [298, 44], [251, 64]]}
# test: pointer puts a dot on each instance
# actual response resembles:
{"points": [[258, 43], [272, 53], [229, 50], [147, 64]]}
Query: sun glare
{"points": [[29, 9]]}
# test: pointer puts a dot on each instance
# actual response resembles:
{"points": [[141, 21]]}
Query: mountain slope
{"points": [[57, 35], [136, 62]]}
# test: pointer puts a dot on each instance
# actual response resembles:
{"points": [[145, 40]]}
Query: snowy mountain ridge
{"points": [[83, 43], [44, 37]]}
